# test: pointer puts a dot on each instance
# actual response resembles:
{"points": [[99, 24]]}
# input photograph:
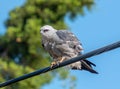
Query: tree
{"points": [[20, 49]]}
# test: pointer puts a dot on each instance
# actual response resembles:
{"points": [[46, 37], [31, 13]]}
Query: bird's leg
{"points": [[60, 59]]}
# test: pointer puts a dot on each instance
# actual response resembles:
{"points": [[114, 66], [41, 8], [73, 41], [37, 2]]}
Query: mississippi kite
{"points": [[63, 45]]}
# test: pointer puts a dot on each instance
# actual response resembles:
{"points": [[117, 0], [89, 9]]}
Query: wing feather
{"points": [[71, 39]]}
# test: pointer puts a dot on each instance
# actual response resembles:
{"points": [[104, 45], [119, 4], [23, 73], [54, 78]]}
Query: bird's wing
{"points": [[71, 39]]}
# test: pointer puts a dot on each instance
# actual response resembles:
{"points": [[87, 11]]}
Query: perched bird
{"points": [[63, 45]]}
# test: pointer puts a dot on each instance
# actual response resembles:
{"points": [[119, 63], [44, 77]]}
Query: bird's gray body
{"points": [[63, 43]]}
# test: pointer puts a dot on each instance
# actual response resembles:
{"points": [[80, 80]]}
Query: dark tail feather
{"points": [[87, 65]]}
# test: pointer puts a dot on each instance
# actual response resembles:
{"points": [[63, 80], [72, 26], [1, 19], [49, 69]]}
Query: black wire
{"points": [[87, 55]]}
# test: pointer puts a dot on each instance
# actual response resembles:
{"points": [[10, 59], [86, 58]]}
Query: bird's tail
{"points": [[86, 65]]}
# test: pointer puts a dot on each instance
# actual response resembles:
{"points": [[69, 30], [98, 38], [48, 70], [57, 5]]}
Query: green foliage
{"points": [[20, 47], [10, 70]]}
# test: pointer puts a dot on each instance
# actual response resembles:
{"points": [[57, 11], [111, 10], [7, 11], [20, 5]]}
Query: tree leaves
{"points": [[20, 48]]}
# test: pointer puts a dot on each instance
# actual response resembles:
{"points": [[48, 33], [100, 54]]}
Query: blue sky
{"points": [[6, 6], [97, 28]]}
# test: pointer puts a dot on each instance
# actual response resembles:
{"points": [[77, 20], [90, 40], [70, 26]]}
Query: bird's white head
{"points": [[47, 30]]}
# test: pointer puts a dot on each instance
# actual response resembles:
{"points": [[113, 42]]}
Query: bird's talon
{"points": [[52, 64], [55, 63]]}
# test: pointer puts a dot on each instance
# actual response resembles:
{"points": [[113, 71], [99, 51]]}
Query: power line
{"points": [[87, 55]]}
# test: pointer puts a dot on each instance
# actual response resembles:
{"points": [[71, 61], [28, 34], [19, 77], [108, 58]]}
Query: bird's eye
{"points": [[45, 30]]}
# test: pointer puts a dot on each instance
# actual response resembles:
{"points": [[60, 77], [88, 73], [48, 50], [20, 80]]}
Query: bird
{"points": [[63, 45]]}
